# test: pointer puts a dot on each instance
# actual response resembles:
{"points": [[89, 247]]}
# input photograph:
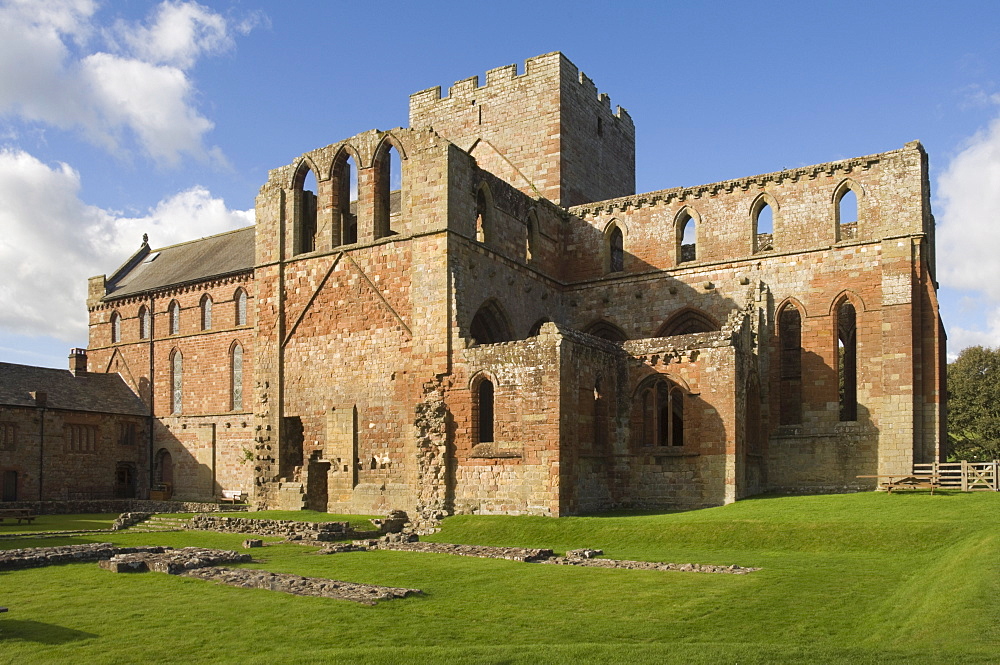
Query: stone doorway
{"points": [[125, 481], [10, 485]]}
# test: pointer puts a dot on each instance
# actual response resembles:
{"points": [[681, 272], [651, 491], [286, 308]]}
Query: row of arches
{"points": [[205, 312], [176, 364], [687, 222], [331, 198], [791, 375], [485, 226], [491, 325]]}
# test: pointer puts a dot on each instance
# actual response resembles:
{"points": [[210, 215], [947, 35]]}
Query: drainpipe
{"points": [[41, 399], [151, 420]]}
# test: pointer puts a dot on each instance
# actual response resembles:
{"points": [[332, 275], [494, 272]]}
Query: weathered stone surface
{"points": [[253, 542], [289, 529], [173, 561], [35, 557], [367, 594]]}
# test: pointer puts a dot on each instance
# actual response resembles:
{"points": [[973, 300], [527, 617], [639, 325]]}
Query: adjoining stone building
{"points": [[478, 314], [70, 434]]}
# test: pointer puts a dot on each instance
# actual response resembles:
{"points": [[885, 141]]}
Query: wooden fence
{"points": [[966, 476]]}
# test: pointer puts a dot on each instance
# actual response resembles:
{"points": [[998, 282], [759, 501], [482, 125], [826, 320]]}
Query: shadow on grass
{"points": [[42, 633]]}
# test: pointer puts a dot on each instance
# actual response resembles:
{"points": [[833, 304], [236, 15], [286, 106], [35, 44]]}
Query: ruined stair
{"points": [[160, 523]]}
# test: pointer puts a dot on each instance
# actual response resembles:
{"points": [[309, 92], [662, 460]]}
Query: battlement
{"points": [[546, 67], [544, 130]]}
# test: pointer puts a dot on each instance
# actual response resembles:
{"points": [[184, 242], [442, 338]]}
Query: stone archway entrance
{"points": [[125, 480]]}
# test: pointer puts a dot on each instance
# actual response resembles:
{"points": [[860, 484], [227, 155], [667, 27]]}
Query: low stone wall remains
{"points": [[248, 578], [583, 557], [289, 529], [172, 561], [35, 557]]}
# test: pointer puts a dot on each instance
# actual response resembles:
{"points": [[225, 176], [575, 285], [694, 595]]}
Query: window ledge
{"points": [[496, 450]]}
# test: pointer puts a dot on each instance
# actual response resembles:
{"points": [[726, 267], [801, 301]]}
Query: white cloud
{"points": [[968, 233], [52, 241], [179, 34], [139, 98]]}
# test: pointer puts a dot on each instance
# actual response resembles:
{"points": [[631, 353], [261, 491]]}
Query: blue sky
{"points": [[123, 118]]}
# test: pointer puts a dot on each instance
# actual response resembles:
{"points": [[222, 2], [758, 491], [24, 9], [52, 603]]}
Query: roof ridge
{"points": [[216, 235]]}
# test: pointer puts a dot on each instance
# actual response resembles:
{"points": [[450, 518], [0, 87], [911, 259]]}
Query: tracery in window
{"points": [[661, 411], [236, 377], [176, 382]]}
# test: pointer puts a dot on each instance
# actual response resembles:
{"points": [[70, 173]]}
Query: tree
{"points": [[974, 405]]}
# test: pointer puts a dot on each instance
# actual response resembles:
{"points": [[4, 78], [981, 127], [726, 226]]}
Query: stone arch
{"points": [[686, 251], [490, 325], [606, 330], [688, 321], [144, 322], [485, 214], [847, 229], [763, 239], [482, 388], [174, 317], [613, 249], [305, 206], [789, 322], [240, 301], [531, 236], [343, 203], [205, 309], [163, 467], [852, 296], [845, 327], [382, 162], [236, 376], [658, 412], [116, 327]]}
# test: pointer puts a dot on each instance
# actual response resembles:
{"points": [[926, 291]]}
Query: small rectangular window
{"points": [[81, 438], [8, 436]]}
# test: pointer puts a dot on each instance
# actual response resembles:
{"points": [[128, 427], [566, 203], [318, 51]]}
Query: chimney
{"points": [[78, 361], [41, 398]]}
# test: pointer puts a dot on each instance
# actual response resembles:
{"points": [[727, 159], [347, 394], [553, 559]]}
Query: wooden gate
{"points": [[966, 476]]}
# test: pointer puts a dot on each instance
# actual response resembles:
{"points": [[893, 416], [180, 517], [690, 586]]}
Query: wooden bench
{"points": [[905, 482], [233, 496], [19, 514]]}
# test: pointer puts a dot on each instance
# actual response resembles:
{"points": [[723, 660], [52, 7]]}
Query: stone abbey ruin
{"points": [[477, 313]]}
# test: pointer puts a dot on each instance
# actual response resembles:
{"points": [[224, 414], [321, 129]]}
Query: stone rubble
{"points": [[171, 561], [249, 578], [35, 557]]}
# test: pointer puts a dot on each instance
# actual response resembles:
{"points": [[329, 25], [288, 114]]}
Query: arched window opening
{"points": [[174, 312], [688, 322], [346, 183], [116, 328], [687, 238], [484, 219], [240, 300], [206, 312], [484, 417], [163, 470], [531, 240], [388, 189], [661, 408], [847, 214], [616, 250], [606, 330], [236, 377], [764, 228], [489, 325], [307, 212], [176, 382], [790, 361], [143, 322], [847, 361]]}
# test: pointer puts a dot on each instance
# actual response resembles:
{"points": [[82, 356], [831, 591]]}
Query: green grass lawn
{"points": [[861, 578], [60, 523]]}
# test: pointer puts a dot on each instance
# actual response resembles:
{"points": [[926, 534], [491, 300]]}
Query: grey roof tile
{"points": [[214, 256], [102, 393]]}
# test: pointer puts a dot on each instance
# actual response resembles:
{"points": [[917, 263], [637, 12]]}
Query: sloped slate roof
{"points": [[103, 393], [214, 256]]}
